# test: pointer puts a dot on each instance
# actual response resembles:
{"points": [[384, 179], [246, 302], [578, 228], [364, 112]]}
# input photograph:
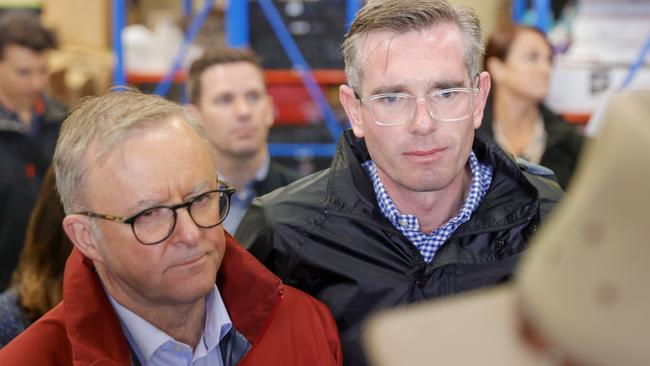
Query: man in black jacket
{"points": [[415, 205], [29, 126], [228, 94]]}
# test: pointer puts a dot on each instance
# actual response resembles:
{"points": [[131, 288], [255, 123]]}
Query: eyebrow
{"points": [[199, 188], [447, 84], [401, 88], [222, 95], [146, 203], [143, 204]]}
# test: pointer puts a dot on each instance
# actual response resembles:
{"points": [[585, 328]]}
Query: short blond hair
{"points": [[101, 124], [402, 16]]}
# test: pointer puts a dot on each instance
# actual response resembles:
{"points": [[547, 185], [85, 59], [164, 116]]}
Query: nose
{"points": [[545, 66], [38, 81], [242, 107], [422, 122], [186, 230]]}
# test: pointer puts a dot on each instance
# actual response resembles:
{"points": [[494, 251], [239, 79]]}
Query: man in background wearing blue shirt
{"points": [[228, 93]]}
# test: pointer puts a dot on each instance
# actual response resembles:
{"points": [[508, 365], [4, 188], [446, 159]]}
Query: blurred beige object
{"points": [[21, 3], [82, 65], [85, 23], [490, 11], [79, 71], [582, 288]]}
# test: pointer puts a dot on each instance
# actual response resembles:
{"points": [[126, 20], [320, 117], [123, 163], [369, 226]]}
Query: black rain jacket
{"points": [[326, 235]]}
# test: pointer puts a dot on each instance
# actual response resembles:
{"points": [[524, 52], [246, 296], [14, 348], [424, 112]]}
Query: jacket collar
{"points": [[346, 167], [488, 152], [46, 111], [251, 294], [557, 130], [250, 291], [350, 187], [93, 327]]}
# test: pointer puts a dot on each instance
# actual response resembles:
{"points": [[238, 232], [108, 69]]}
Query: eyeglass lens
{"points": [[156, 224], [396, 109]]}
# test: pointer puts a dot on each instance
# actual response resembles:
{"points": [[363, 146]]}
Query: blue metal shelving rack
{"points": [[237, 35], [541, 8]]}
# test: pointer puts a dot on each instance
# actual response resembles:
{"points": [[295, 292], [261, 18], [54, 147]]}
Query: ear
{"points": [[481, 98], [269, 118], [352, 108], [495, 67], [79, 230], [194, 110]]}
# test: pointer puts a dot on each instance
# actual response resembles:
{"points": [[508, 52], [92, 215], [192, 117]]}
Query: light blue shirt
{"points": [[155, 347], [242, 199]]}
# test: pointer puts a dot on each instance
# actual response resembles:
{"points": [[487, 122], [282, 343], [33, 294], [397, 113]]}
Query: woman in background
{"points": [[519, 60], [36, 283]]}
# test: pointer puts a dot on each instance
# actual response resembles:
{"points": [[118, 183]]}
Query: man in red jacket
{"points": [[136, 175]]}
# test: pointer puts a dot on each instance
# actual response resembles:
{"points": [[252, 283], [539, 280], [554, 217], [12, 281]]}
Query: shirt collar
{"points": [[145, 338], [260, 174], [263, 170], [38, 107], [390, 211], [408, 224]]}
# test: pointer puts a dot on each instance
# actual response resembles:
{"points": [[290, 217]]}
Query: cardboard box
{"points": [[80, 23], [578, 88], [77, 72]]}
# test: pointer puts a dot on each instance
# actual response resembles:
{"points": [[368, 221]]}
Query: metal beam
{"points": [[119, 20], [163, 86], [237, 31], [301, 66]]}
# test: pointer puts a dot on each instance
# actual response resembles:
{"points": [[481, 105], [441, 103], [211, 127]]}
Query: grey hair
{"points": [[98, 125], [402, 16]]}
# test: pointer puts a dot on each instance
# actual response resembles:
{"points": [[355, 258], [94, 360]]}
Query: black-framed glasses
{"points": [[155, 224]]}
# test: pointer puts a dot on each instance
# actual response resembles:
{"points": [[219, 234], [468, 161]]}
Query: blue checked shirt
{"points": [[408, 225]]}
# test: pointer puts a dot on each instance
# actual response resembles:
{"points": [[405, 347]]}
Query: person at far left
{"points": [[153, 279], [29, 126]]}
